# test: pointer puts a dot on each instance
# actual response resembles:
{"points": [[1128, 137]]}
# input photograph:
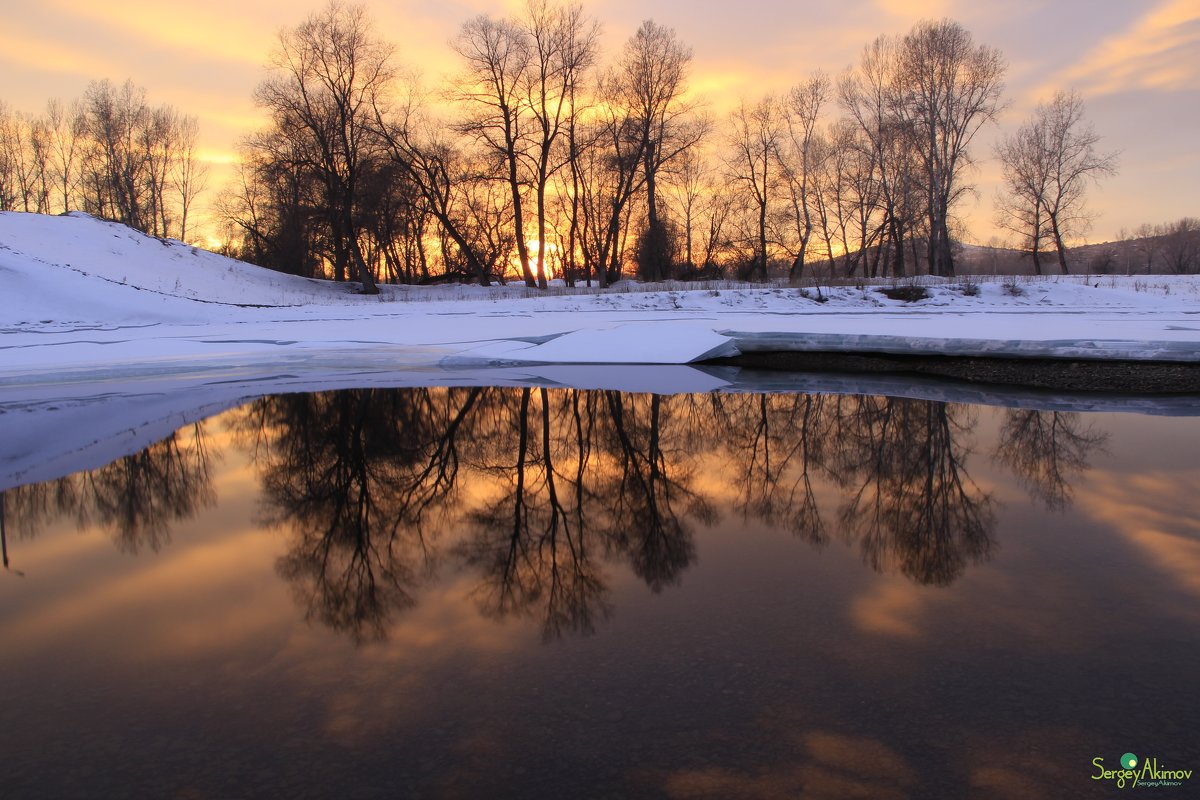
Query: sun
{"points": [[553, 262]]}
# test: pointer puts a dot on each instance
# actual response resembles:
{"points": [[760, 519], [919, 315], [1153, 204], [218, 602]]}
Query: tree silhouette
{"points": [[140, 495], [137, 497]]}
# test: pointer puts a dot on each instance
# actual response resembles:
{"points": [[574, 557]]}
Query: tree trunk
{"points": [[762, 239], [1058, 244], [518, 215], [654, 234], [898, 243], [543, 168], [797, 268], [364, 272]]}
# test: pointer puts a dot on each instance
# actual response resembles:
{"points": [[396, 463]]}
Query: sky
{"points": [[1136, 63]]}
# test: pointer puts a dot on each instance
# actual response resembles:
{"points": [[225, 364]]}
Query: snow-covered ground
{"points": [[90, 300], [110, 340]]}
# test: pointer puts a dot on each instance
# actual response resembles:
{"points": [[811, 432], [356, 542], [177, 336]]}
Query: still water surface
{"points": [[567, 593]]}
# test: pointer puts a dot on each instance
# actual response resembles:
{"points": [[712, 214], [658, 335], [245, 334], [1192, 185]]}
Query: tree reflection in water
{"points": [[911, 500], [350, 475], [649, 493], [538, 491], [141, 495], [137, 497], [591, 478], [1046, 450], [779, 442], [530, 540]]}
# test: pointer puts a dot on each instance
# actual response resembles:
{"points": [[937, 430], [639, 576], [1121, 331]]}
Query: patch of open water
{"points": [[526, 592]]}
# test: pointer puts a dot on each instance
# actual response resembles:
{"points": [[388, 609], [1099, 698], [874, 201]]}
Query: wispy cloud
{"points": [[219, 30], [1160, 52], [48, 56]]}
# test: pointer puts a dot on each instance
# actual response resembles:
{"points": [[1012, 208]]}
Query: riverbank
{"points": [[1055, 374], [92, 301]]}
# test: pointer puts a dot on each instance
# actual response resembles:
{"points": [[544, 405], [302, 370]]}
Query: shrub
{"points": [[910, 293]]}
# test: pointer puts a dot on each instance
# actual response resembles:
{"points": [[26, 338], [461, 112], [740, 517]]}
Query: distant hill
{"points": [[1173, 250]]}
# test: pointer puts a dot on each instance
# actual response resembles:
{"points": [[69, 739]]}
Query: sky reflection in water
{"points": [[528, 592]]}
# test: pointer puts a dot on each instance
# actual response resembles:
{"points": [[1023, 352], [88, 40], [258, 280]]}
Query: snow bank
{"points": [[90, 300]]}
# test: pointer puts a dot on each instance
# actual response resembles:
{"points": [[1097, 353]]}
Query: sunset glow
{"points": [[1136, 64]]}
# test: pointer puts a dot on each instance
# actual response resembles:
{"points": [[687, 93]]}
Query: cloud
{"points": [[31, 52], [893, 607], [219, 30], [831, 765], [1148, 512], [1160, 52]]}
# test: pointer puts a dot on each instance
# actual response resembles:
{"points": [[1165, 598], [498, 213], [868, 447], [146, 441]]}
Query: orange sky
{"points": [[1137, 65]]}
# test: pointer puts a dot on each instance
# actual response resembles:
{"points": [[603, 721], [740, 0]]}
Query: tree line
{"points": [[1171, 247], [549, 162], [109, 153], [542, 158]]}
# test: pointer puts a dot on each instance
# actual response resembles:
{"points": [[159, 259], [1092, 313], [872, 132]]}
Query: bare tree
{"points": [[947, 88], [1074, 163], [801, 109], [564, 44], [497, 55], [845, 193], [116, 180], [14, 161], [716, 211], [1021, 208], [110, 153], [158, 141], [826, 187], [67, 128], [870, 94], [608, 166], [435, 168], [9, 154], [692, 191], [653, 81], [331, 73], [1048, 165], [754, 153], [26, 180], [271, 212], [521, 93], [1148, 242], [189, 175], [1180, 245]]}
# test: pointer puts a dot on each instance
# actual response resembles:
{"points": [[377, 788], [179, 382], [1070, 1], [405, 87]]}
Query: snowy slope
{"points": [[80, 268], [89, 300]]}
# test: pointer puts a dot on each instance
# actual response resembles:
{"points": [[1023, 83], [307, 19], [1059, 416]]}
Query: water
{"points": [[509, 592]]}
